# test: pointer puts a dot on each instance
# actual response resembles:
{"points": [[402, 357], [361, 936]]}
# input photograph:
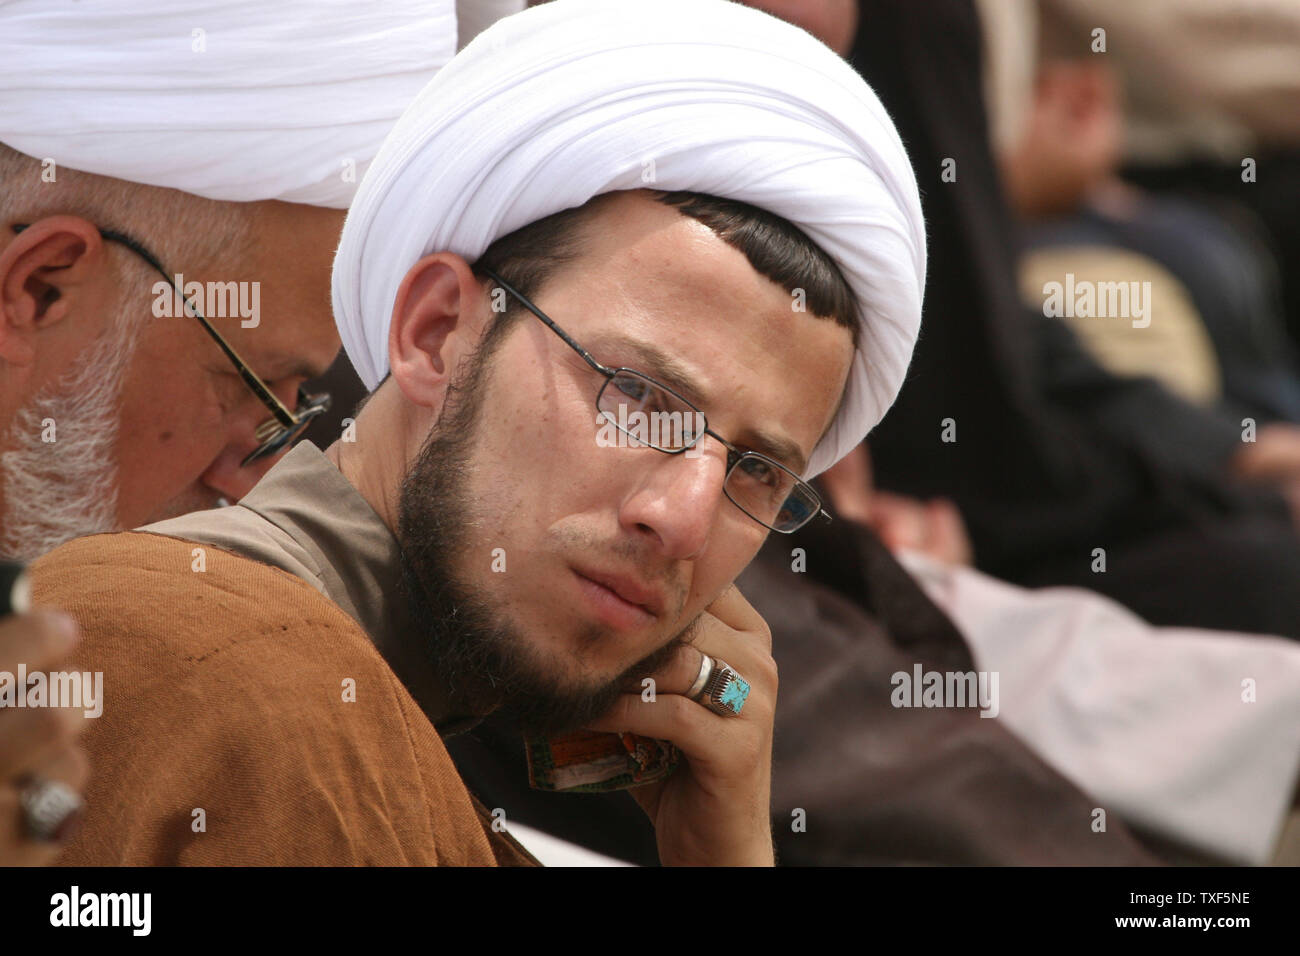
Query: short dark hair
{"points": [[777, 249]]}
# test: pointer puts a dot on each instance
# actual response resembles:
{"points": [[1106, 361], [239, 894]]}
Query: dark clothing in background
{"points": [[1231, 281], [876, 784], [1054, 456], [1273, 197]]}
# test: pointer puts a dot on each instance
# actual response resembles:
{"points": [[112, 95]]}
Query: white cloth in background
{"points": [[1149, 720], [553, 851], [242, 100], [571, 99]]}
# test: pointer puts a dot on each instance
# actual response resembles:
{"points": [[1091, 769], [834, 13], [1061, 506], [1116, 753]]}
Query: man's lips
{"points": [[625, 589]]}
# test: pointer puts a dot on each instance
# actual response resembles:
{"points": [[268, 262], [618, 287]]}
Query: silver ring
{"points": [[706, 668], [50, 809], [725, 692]]}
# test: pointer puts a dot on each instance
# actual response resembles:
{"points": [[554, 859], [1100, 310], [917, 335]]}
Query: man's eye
{"points": [[632, 388], [645, 396], [760, 472]]}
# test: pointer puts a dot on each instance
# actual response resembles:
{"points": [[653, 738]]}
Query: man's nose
{"points": [[227, 474], [678, 499]]}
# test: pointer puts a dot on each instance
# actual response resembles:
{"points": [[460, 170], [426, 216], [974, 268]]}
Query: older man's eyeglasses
{"points": [[283, 427], [760, 486]]}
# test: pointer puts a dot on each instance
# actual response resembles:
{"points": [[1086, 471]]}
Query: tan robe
{"points": [[228, 735]]}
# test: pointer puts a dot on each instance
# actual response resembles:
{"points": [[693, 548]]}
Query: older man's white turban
{"points": [[241, 100], [575, 98]]}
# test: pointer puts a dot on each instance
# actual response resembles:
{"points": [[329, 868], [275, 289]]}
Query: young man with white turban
{"points": [[669, 207], [160, 144]]}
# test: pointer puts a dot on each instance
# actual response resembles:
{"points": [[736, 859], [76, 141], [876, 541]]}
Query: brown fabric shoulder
{"points": [[236, 689]]}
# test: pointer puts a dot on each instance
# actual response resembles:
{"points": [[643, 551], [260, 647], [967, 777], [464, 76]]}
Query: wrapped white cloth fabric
{"points": [[575, 98], [243, 100], [1158, 723]]}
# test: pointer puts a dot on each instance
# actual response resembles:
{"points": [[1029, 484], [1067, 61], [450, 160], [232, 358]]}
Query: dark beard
{"points": [[485, 664]]}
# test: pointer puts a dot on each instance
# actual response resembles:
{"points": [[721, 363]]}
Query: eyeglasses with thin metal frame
{"points": [[761, 487], [284, 427]]}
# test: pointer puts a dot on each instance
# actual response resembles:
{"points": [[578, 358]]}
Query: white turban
{"points": [[241, 100], [574, 98]]}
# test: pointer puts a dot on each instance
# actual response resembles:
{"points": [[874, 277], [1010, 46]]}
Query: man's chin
{"points": [[555, 715], [532, 696], [551, 706]]}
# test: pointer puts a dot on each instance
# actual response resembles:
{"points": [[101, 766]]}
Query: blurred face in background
{"points": [[1071, 139]]}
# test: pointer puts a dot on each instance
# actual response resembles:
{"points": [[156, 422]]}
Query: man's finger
{"points": [[38, 640], [733, 610], [32, 736], [670, 717], [674, 676], [70, 766]]}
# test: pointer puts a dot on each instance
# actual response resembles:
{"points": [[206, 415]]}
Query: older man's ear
{"points": [[48, 271]]}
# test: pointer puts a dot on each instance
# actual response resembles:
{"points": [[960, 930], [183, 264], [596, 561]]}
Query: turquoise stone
{"points": [[734, 695]]}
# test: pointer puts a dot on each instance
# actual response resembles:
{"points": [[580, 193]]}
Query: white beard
{"points": [[56, 491]]}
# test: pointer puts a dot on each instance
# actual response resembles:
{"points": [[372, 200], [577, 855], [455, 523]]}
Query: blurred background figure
{"points": [[1063, 471], [1070, 659], [1211, 97], [1060, 134]]}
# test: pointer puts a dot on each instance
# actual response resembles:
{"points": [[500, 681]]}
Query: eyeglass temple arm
{"points": [[285, 417], [586, 356]]}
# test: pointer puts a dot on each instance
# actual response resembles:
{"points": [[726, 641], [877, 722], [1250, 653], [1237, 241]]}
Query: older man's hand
{"points": [[715, 809], [38, 741]]}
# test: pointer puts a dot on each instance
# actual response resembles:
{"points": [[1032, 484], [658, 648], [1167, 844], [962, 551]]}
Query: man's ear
{"points": [[436, 323], [44, 272]]}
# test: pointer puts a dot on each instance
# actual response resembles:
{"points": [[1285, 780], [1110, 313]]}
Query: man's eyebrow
{"points": [[276, 371], [293, 368], [655, 362], [659, 365], [775, 446]]}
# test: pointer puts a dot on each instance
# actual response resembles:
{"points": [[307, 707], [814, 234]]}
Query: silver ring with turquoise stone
{"points": [[725, 691]]}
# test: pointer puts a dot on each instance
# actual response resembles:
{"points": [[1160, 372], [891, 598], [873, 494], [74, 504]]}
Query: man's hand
{"points": [[1274, 455], [1273, 458], [934, 528], [40, 741], [715, 809]]}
